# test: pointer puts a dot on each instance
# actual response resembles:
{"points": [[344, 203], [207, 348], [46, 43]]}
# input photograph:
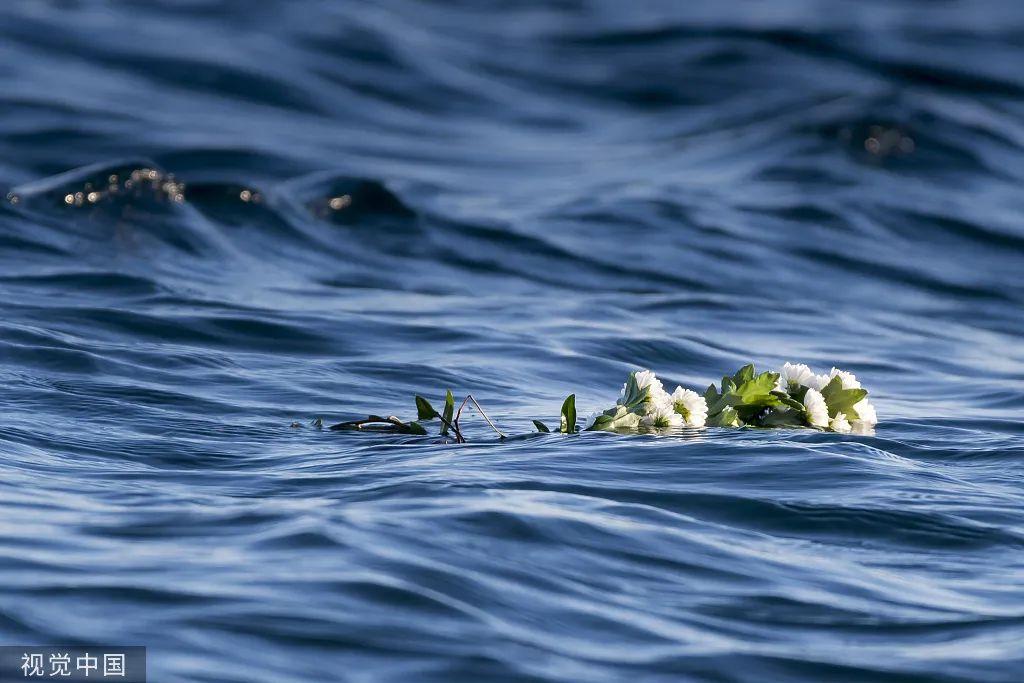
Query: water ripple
{"points": [[222, 219]]}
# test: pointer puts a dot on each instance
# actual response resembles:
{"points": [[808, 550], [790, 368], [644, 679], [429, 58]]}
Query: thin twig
{"points": [[454, 427], [487, 418], [372, 423], [458, 413], [469, 397]]}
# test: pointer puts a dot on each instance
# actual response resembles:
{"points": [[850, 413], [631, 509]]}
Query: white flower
{"points": [[658, 397], [644, 379], [662, 415], [840, 424], [867, 418], [817, 410], [866, 412], [691, 406], [799, 375], [848, 378]]}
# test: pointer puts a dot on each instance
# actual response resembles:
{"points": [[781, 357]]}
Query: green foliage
{"points": [[624, 415], [619, 417], [758, 390], [541, 427], [743, 375], [606, 420], [726, 417], [841, 400], [569, 415], [749, 398], [449, 412], [424, 411], [635, 397], [417, 428], [788, 401], [783, 416]]}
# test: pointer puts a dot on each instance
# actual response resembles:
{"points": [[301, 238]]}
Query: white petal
{"points": [[691, 406], [817, 410], [866, 412], [848, 378], [840, 424], [800, 375]]}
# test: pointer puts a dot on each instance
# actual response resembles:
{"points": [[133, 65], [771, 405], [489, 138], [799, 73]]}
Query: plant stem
{"points": [[454, 427], [469, 397], [372, 423]]}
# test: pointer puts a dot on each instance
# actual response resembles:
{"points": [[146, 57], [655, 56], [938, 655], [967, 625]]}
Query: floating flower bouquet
{"points": [[794, 397]]}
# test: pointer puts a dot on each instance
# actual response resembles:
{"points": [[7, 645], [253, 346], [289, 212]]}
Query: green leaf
{"points": [[417, 428], [569, 414], [757, 391], [724, 401], [635, 396], [783, 418], [632, 390], [787, 400], [728, 417], [606, 420], [711, 395], [841, 400], [449, 412], [424, 411], [744, 374], [541, 427]]}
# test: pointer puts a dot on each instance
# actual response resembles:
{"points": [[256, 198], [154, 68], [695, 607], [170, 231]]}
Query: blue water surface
{"points": [[322, 208]]}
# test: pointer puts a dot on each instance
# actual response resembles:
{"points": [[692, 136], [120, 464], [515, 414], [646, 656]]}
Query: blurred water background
{"points": [[225, 217]]}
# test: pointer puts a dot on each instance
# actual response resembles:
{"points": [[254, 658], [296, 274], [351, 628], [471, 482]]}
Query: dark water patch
{"points": [[236, 332], [104, 283], [361, 204], [226, 165], [907, 276], [17, 245]]}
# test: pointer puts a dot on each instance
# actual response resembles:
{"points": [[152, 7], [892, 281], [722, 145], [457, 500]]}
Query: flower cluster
{"points": [[792, 397], [834, 401], [644, 402]]}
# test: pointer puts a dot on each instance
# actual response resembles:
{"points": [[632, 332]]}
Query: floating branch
{"points": [[794, 397], [376, 423]]}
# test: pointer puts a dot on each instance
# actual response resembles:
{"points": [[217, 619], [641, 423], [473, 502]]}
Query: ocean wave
{"points": [[221, 221]]}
